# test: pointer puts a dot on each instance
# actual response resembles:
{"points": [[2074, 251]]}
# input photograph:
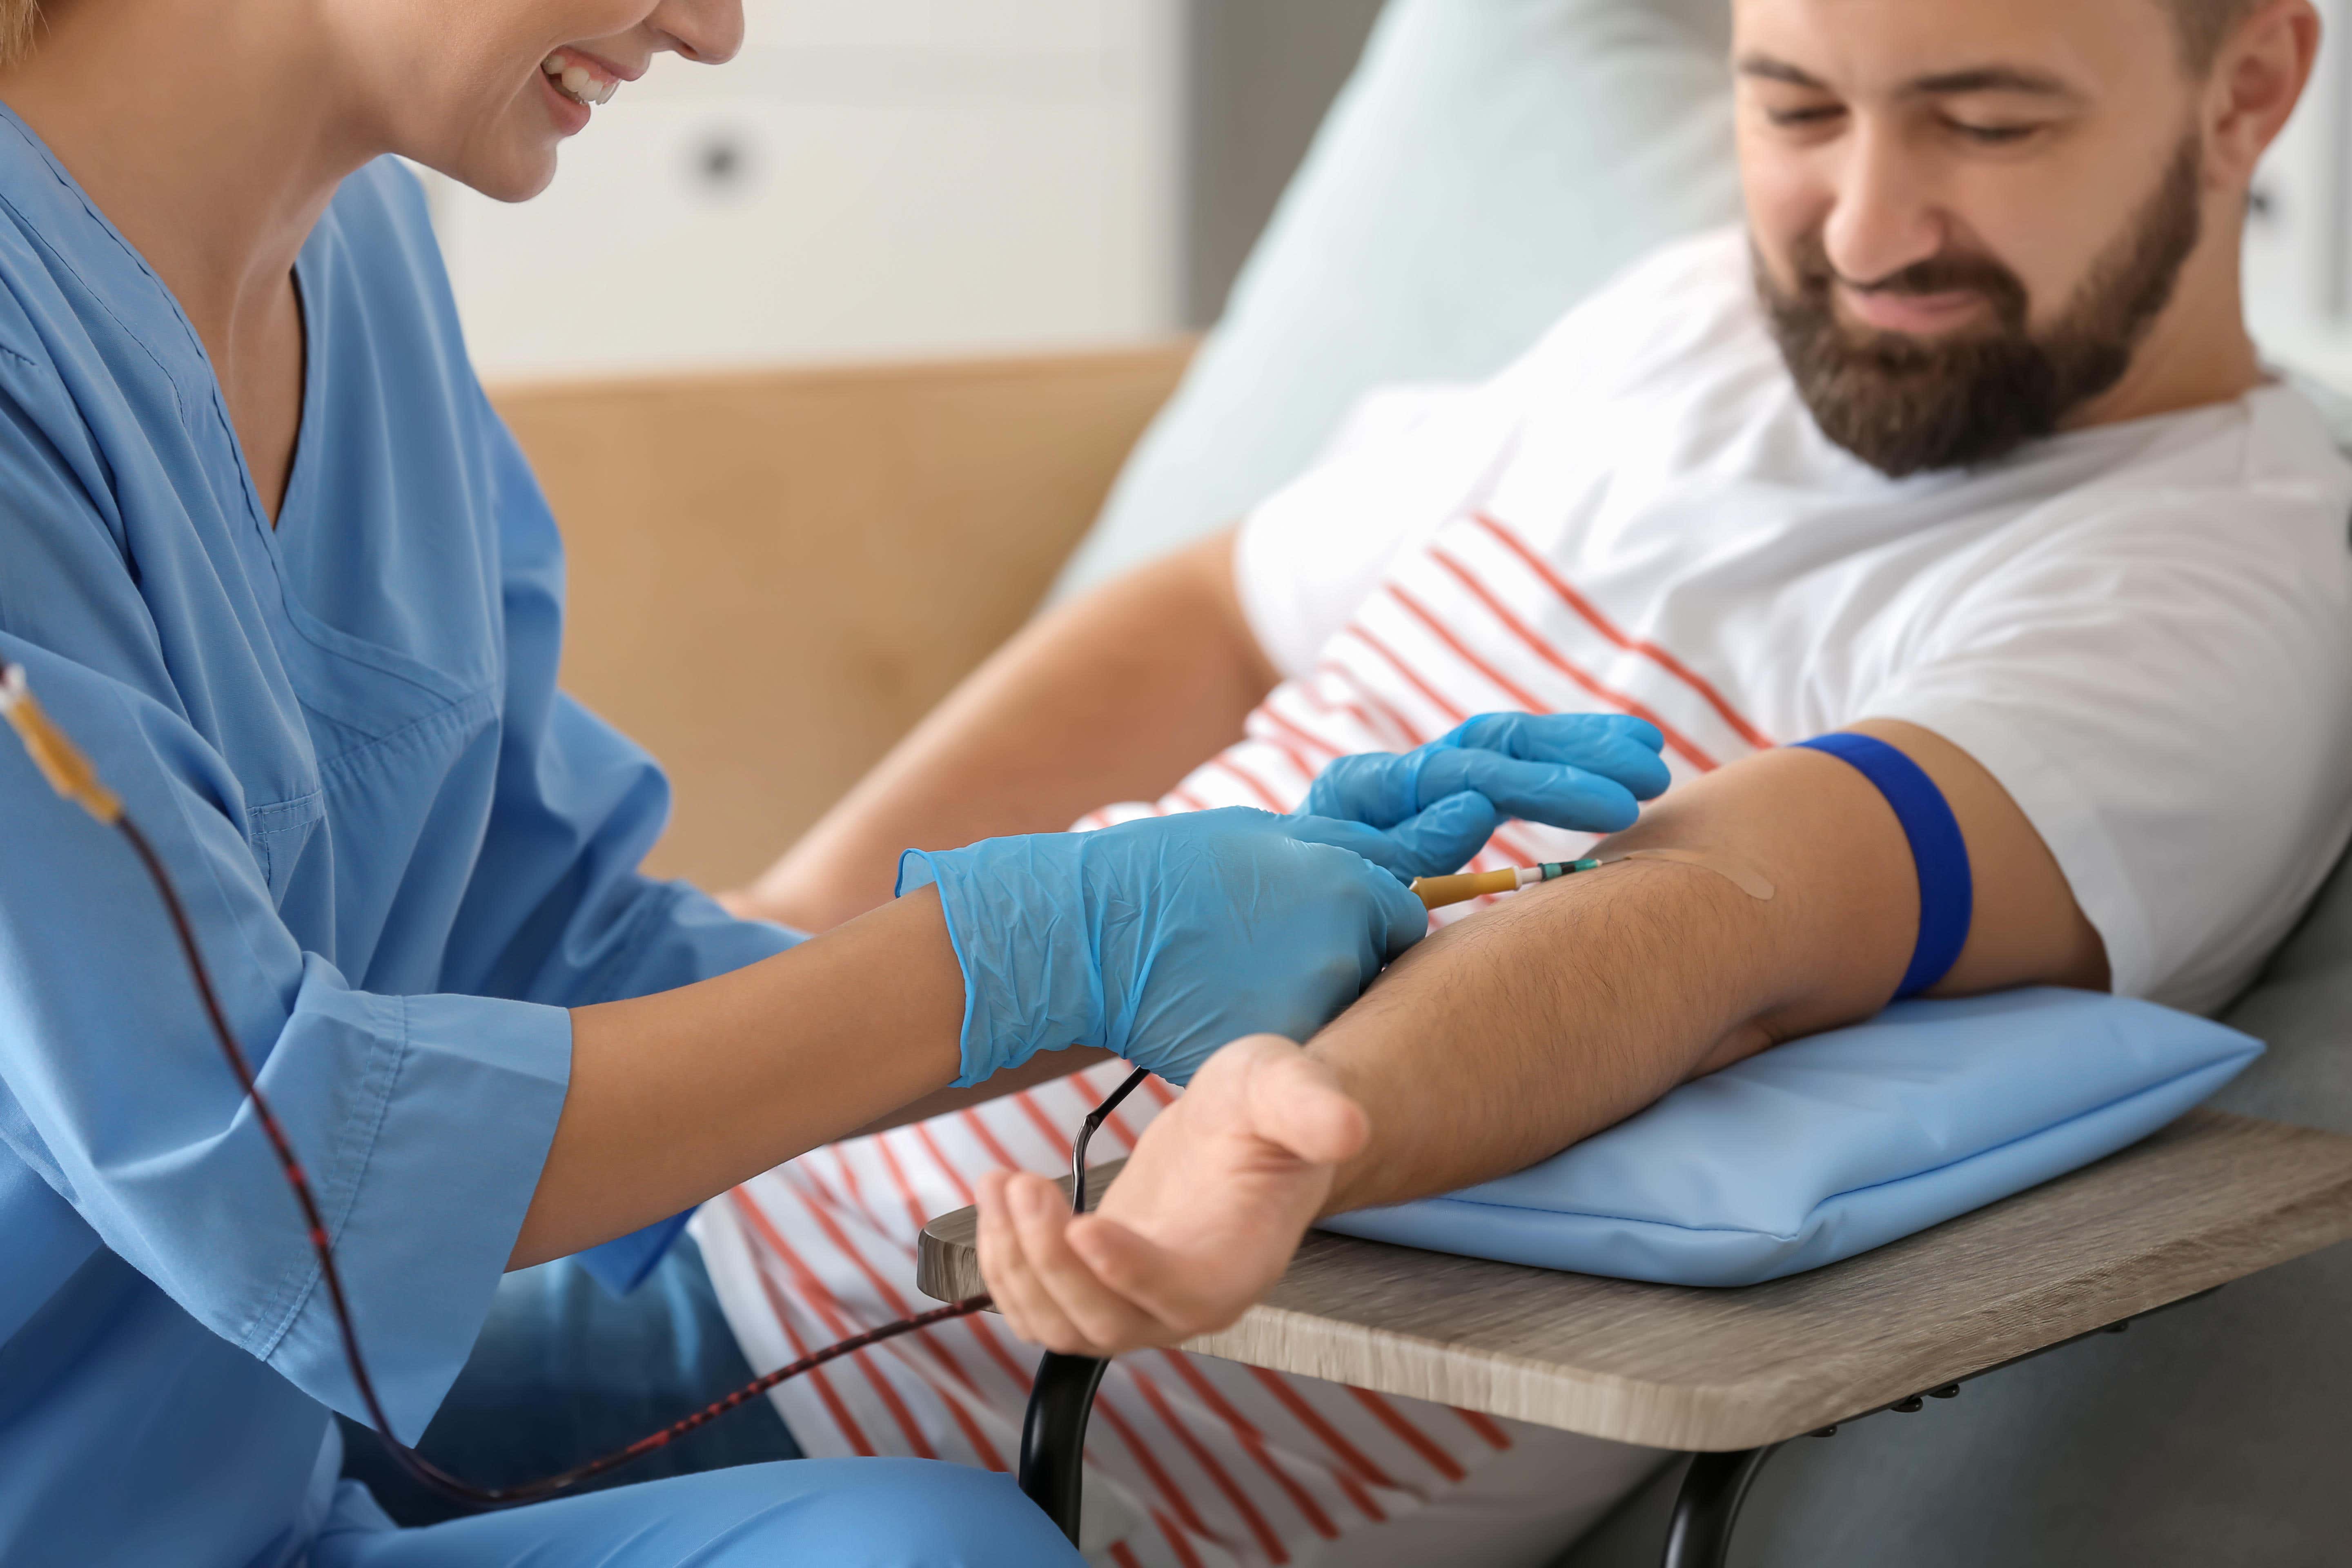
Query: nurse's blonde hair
{"points": [[18, 20]]}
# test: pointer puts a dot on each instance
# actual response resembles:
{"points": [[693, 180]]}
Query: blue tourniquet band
{"points": [[1938, 853]]}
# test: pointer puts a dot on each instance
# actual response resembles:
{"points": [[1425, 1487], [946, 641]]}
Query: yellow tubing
{"points": [[1436, 892], [60, 761]]}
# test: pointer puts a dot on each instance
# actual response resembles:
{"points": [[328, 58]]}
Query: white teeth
{"points": [[578, 82]]}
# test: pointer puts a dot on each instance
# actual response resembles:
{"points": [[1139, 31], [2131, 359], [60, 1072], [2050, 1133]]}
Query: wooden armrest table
{"points": [[876, 531], [774, 573], [1732, 1373]]}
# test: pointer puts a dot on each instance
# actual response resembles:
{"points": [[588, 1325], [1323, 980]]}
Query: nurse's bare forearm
{"points": [[1115, 697], [1042, 1067], [676, 1097]]}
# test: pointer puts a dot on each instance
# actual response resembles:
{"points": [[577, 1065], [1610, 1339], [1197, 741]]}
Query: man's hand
{"points": [[1203, 1219], [1505, 1038]]}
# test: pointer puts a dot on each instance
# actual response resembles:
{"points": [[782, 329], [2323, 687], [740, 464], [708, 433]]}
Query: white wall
{"points": [[2299, 251], [914, 177], [868, 178]]}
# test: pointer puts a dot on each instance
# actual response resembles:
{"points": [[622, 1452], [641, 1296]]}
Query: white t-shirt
{"points": [[2143, 630]]}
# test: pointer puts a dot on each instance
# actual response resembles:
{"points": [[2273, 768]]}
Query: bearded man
{"points": [[1959, 445]]}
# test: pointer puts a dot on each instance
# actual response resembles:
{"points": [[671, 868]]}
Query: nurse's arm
{"points": [[1506, 1037], [679, 1095], [1116, 695]]}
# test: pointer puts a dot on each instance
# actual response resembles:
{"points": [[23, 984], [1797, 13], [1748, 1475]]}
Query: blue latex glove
{"points": [[1436, 805], [1162, 940]]}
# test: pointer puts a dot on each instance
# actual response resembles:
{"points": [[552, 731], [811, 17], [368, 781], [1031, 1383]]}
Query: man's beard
{"points": [[1904, 404]]}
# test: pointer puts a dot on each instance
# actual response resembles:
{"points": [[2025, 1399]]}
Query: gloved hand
{"points": [[1162, 940], [1579, 770]]}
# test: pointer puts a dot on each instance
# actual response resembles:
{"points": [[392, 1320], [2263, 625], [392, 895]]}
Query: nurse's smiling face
{"points": [[485, 90]]}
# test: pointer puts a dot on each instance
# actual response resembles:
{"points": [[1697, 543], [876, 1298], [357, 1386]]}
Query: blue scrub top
{"points": [[405, 852]]}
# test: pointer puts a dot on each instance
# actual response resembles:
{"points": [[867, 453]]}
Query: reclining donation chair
{"points": [[1491, 161]]}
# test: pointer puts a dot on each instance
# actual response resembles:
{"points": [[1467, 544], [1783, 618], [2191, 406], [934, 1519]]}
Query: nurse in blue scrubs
{"points": [[267, 555]]}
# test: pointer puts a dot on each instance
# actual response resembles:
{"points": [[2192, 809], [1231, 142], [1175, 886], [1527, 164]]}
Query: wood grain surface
{"points": [[2210, 1199], [774, 574]]}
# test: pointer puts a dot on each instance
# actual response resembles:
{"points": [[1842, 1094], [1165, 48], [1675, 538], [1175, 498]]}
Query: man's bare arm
{"points": [[1115, 697], [1504, 1039], [1510, 1037]]}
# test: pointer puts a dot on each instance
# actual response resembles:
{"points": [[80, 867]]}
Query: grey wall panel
{"points": [[1262, 73]]}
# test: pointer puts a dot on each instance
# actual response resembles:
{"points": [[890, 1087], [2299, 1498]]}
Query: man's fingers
{"points": [[1197, 1228], [1211, 1206], [994, 1245], [1029, 1310], [1102, 1322], [1158, 1282]]}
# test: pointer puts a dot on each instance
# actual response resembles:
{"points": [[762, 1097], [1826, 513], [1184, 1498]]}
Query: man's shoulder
{"points": [[1714, 261], [2299, 431], [2252, 491], [2273, 449], [1683, 297]]}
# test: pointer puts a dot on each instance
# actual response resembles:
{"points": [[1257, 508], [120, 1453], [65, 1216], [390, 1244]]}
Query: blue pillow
{"points": [[1832, 1145]]}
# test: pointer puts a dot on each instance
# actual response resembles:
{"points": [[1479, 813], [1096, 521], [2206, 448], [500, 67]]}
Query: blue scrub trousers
{"points": [[565, 1370], [809, 1513]]}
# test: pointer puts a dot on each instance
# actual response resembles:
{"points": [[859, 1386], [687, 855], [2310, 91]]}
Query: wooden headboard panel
{"points": [[774, 575]]}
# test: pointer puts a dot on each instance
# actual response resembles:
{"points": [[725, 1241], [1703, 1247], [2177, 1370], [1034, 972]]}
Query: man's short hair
{"points": [[2203, 25]]}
